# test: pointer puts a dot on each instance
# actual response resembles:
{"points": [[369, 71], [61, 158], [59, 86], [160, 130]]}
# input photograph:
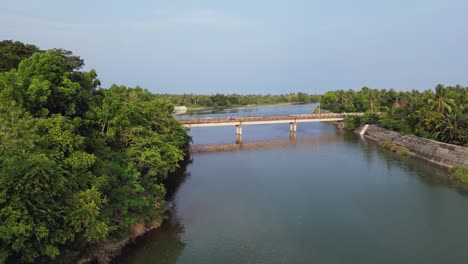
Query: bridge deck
{"points": [[256, 120]]}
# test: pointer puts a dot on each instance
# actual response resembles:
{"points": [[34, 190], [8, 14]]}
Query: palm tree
{"points": [[461, 101], [441, 103], [453, 129], [373, 97], [345, 99]]}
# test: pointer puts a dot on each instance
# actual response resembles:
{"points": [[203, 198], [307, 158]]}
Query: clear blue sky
{"points": [[250, 46]]}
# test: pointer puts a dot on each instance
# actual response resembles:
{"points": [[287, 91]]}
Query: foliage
{"points": [[394, 124], [79, 165], [352, 122], [370, 118], [395, 148], [452, 129], [394, 119], [459, 174], [13, 52], [441, 115]]}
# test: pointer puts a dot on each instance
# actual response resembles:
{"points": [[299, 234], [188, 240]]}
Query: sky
{"points": [[253, 46]]}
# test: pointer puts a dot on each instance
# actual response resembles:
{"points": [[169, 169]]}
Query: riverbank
{"points": [[108, 252], [442, 154]]}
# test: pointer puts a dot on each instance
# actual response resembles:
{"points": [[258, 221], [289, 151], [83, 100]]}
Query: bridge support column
{"points": [[239, 129], [238, 139], [292, 127]]}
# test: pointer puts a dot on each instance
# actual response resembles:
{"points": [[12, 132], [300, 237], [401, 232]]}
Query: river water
{"points": [[326, 197]]}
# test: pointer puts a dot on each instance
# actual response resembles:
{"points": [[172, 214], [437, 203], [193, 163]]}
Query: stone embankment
{"points": [[440, 153]]}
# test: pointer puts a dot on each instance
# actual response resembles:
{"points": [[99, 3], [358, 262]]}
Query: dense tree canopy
{"points": [[80, 166], [13, 52], [441, 115]]}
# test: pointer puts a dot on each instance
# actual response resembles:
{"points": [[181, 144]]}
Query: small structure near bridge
{"points": [[180, 110]]}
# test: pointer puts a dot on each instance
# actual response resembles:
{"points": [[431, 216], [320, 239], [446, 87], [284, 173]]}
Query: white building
{"points": [[180, 109]]}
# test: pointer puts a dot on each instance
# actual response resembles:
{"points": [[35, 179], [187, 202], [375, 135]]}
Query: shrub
{"points": [[370, 118], [395, 148], [459, 174], [352, 122], [394, 124]]}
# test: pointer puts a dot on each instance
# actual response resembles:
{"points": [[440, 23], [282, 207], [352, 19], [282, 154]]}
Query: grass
{"points": [[395, 148], [459, 174]]}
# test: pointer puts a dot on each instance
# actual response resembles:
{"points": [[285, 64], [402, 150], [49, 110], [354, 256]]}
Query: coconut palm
{"points": [[442, 103], [373, 97], [453, 129], [461, 101]]}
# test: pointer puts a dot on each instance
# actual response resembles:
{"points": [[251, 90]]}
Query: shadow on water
{"points": [[175, 180], [164, 242]]}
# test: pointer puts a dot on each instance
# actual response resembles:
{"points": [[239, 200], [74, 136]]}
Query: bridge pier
{"points": [[238, 139], [292, 127], [239, 129]]}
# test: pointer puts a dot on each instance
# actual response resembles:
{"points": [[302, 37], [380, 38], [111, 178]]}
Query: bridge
{"points": [[240, 121]]}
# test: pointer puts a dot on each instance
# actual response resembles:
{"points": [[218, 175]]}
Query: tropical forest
{"points": [[82, 168], [440, 114]]}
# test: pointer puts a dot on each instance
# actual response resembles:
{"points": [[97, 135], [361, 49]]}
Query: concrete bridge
{"points": [[240, 121]]}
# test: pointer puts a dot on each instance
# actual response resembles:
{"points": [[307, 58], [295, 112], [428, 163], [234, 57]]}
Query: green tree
{"points": [[452, 129], [440, 116], [41, 86], [45, 179], [79, 166], [442, 103], [13, 52]]}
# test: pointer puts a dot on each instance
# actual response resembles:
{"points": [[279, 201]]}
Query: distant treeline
{"points": [[440, 115], [223, 100]]}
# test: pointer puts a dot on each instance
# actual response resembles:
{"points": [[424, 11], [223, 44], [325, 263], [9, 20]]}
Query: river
{"points": [[327, 197]]}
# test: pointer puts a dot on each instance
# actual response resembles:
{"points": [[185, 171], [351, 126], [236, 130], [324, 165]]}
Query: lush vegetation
{"points": [[395, 148], [13, 52], [81, 168], [459, 174], [440, 115], [222, 100]]}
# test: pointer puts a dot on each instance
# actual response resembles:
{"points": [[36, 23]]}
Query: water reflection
{"points": [[176, 179], [273, 144], [292, 137], [429, 173]]}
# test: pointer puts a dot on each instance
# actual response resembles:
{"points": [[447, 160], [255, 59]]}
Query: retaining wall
{"points": [[444, 154]]}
